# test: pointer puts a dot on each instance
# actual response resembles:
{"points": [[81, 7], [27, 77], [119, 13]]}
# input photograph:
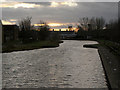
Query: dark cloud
{"points": [[63, 14]]}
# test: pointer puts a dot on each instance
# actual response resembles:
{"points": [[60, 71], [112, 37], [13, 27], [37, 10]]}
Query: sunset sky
{"points": [[57, 14]]}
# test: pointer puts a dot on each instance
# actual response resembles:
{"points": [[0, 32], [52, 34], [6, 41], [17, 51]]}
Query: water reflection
{"points": [[67, 66]]}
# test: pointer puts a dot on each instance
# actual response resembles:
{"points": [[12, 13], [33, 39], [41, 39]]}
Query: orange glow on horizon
{"points": [[39, 24], [50, 24], [65, 29], [54, 24]]}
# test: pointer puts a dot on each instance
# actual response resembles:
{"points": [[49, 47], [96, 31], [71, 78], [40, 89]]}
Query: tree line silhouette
{"points": [[97, 28], [28, 33], [88, 28]]}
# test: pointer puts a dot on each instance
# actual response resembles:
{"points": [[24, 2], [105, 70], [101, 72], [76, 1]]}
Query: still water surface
{"points": [[67, 66]]}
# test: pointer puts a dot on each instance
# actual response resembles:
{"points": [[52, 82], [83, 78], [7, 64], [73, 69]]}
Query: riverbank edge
{"points": [[32, 46], [110, 78], [112, 75], [105, 70]]}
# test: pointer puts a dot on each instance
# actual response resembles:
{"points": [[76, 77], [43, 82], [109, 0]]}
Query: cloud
{"points": [[36, 5], [54, 24], [18, 5], [60, 4], [71, 4], [54, 4], [5, 22], [62, 14]]}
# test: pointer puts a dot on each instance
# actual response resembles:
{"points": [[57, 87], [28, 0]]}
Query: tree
{"points": [[25, 30], [84, 22], [92, 22], [100, 22], [113, 26], [43, 30], [25, 24]]}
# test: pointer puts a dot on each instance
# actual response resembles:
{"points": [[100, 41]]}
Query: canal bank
{"points": [[111, 64]]}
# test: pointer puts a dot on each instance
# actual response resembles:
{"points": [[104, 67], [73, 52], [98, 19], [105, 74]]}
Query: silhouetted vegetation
{"points": [[96, 28], [31, 37], [28, 34], [89, 28], [15, 46], [43, 31], [25, 24]]}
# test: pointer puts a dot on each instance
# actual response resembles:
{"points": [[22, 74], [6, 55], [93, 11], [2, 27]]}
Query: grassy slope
{"points": [[9, 47]]}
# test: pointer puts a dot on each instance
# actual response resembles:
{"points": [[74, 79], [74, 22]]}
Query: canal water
{"points": [[67, 66]]}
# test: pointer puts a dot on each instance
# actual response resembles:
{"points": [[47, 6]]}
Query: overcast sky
{"points": [[58, 12], [62, 0]]}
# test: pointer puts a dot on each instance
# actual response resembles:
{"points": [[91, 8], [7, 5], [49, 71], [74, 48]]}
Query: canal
{"points": [[67, 66]]}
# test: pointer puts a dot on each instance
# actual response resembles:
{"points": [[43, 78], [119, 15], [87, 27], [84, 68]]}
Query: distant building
{"points": [[65, 34], [9, 33]]}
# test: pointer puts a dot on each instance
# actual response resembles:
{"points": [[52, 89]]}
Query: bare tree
{"points": [[44, 30], [92, 22], [25, 24], [84, 22], [100, 22], [42, 25]]}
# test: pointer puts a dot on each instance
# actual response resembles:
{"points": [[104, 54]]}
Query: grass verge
{"points": [[10, 47]]}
